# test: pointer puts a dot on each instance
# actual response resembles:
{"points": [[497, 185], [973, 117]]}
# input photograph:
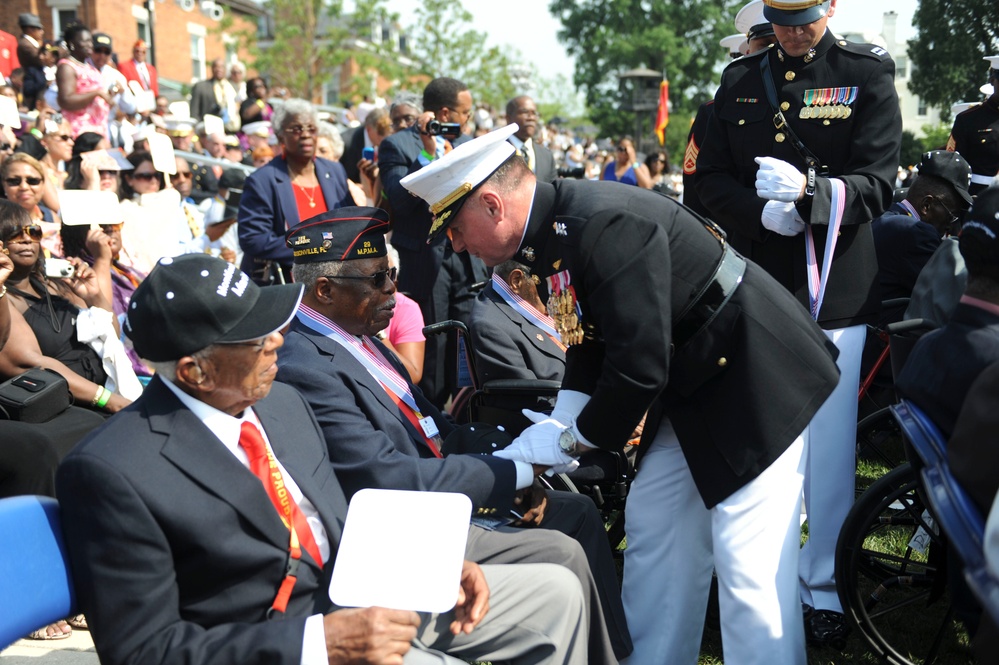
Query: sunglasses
{"points": [[377, 279], [15, 181], [6, 147], [298, 130], [34, 231], [61, 137], [147, 176], [108, 174], [103, 51], [182, 175], [621, 148]]}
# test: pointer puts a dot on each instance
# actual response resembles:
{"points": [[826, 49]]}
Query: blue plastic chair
{"points": [[35, 583]]}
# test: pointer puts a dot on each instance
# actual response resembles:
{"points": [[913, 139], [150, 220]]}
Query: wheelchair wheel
{"points": [[886, 573], [880, 447]]}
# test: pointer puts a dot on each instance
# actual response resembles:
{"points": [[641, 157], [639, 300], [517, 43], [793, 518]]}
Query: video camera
{"points": [[449, 130]]}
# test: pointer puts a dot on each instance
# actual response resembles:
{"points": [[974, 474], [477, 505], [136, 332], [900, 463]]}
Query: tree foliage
{"points": [[678, 36], [311, 39], [952, 37], [447, 46]]}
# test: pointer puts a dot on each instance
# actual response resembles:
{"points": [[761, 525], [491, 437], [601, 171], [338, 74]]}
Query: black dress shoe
{"points": [[826, 628]]}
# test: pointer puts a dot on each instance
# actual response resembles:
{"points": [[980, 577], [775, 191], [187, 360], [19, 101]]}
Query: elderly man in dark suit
{"points": [[945, 362], [512, 335], [178, 522], [523, 111], [382, 432], [659, 313], [434, 275]]}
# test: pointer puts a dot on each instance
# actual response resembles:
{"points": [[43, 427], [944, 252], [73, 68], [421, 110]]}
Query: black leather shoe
{"points": [[826, 628]]}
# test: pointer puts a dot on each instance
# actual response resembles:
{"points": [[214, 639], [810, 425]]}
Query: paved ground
{"points": [[75, 650]]}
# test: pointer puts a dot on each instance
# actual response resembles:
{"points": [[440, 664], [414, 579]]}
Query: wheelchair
{"points": [[605, 476], [891, 556]]}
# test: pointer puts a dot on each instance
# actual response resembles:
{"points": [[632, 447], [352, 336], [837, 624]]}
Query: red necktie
{"points": [[264, 466]]}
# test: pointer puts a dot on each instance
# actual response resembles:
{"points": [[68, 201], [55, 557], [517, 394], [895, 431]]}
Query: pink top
{"points": [[94, 116], [407, 322]]}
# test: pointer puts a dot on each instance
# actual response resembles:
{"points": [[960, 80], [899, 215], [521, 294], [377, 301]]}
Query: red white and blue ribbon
{"points": [[376, 365], [536, 318], [816, 283]]}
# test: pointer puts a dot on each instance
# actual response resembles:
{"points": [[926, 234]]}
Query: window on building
{"points": [[331, 90], [197, 57], [921, 109], [902, 67], [61, 19]]}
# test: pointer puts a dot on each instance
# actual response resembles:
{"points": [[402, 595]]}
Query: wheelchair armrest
{"points": [[526, 387]]}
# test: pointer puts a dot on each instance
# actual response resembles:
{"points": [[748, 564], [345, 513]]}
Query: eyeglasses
{"points": [[60, 137], [6, 147], [15, 181], [33, 231], [148, 175], [953, 218], [622, 148], [182, 175], [111, 228], [404, 122], [298, 130], [377, 279]]}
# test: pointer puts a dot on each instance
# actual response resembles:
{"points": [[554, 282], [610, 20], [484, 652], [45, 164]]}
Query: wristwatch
{"points": [[568, 444]]}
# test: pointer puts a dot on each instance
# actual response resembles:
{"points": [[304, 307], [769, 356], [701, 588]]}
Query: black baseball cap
{"points": [[192, 301], [102, 40], [979, 238], [342, 234], [950, 167]]}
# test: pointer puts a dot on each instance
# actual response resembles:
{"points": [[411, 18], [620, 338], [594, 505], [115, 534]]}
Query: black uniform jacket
{"points": [[177, 551], [976, 136], [861, 149], [738, 393]]}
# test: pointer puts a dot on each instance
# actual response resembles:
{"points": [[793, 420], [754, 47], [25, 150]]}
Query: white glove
{"points": [[538, 444], [782, 218], [568, 405], [776, 180]]}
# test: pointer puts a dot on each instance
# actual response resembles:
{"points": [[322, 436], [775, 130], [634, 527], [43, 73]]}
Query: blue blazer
{"points": [[267, 209], [398, 156], [370, 441]]}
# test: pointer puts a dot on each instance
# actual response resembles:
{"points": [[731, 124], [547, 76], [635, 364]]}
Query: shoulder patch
{"points": [[690, 157], [869, 50]]}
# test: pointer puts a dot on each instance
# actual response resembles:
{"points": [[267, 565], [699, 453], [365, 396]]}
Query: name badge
{"points": [[429, 427]]}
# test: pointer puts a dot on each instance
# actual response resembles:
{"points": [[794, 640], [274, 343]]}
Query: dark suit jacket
{"points": [[203, 100], [177, 552], [973, 450], [861, 150], [738, 394], [353, 146], [371, 443], [267, 209], [904, 245], [128, 69], [544, 163], [398, 156], [508, 346], [945, 362]]}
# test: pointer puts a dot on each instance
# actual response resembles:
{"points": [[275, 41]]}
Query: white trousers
{"points": [[751, 539], [830, 477]]}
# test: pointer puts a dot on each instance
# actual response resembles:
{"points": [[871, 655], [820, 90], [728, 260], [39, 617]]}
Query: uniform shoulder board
{"points": [[869, 50]]}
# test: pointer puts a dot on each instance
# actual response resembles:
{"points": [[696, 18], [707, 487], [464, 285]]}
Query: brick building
{"points": [[184, 35]]}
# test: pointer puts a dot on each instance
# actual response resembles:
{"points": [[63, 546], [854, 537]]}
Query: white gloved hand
{"points": [[776, 180], [782, 218], [538, 444]]}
